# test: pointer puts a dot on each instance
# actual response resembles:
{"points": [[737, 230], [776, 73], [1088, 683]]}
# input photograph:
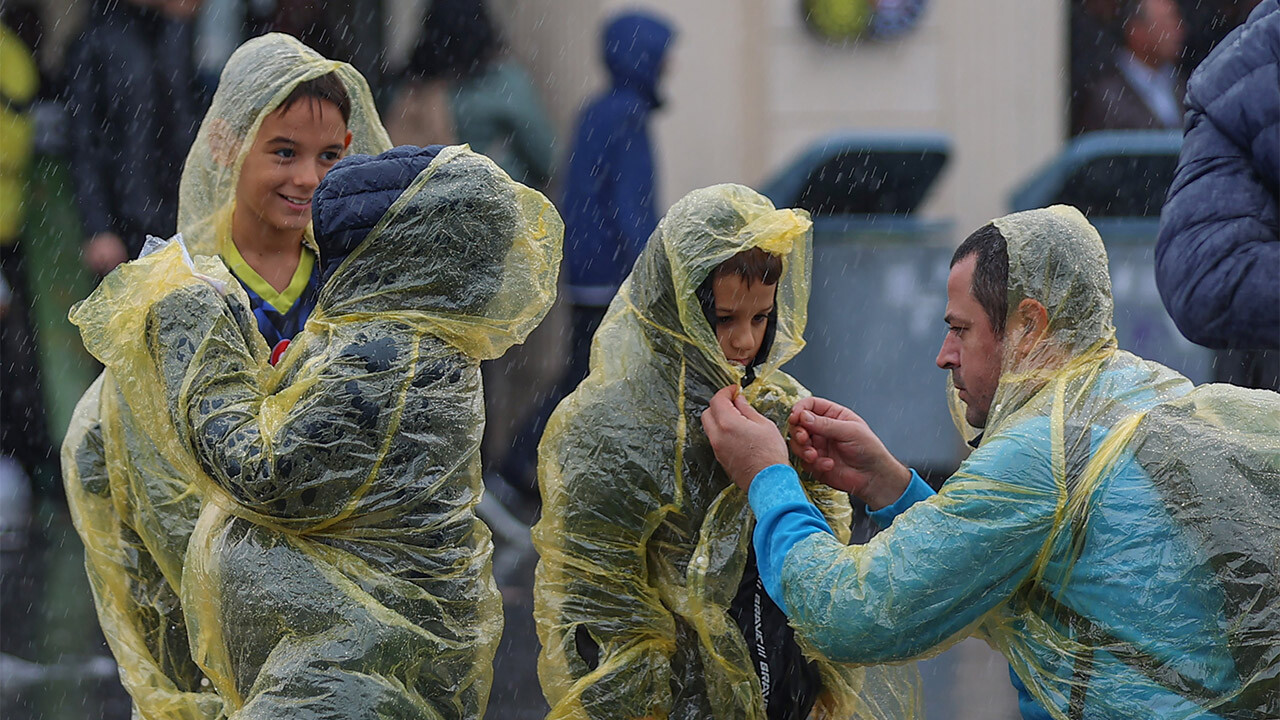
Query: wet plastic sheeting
{"points": [[643, 539], [312, 524]]}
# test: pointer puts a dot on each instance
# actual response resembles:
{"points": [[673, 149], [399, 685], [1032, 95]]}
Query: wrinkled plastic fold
{"points": [[311, 525], [643, 539]]}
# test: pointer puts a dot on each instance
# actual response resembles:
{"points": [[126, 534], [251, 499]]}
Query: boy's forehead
{"points": [[733, 289]]}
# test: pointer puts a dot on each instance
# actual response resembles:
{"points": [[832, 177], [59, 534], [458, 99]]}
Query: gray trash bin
{"points": [[879, 286], [1119, 180]]}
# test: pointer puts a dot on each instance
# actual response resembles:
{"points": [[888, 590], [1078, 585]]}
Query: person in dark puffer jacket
{"points": [[1218, 253]]}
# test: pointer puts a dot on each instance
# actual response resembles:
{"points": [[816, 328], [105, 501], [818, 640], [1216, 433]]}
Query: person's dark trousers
{"points": [[24, 434], [520, 469]]}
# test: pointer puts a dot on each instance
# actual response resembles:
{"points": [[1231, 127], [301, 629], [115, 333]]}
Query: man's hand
{"points": [[103, 252], [745, 441], [839, 449]]}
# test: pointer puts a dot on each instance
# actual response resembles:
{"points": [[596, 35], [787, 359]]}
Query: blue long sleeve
{"points": [[784, 517], [917, 490]]}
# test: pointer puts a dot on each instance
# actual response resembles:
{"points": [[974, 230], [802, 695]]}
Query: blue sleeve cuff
{"points": [[784, 517], [916, 491]]}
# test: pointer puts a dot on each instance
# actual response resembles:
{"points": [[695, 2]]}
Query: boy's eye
{"points": [[762, 317], [724, 319], [330, 156], [283, 152]]}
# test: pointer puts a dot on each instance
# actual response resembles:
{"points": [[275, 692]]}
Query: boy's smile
{"points": [[290, 155], [742, 316]]}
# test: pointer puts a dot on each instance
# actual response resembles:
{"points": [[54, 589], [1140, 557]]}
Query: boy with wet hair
{"points": [[647, 598]]}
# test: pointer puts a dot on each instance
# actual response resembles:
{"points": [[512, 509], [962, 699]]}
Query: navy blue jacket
{"points": [[356, 193], [609, 193], [134, 107], [1218, 254]]}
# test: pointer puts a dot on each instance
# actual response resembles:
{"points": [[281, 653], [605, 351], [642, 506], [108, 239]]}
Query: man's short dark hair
{"points": [[991, 275], [327, 87]]}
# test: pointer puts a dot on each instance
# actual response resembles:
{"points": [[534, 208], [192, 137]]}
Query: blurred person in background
{"points": [[134, 107], [1143, 89], [1218, 251], [24, 441], [462, 86], [610, 193]]}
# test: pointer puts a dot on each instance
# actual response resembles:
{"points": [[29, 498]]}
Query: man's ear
{"points": [[346, 143], [1032, 320]]}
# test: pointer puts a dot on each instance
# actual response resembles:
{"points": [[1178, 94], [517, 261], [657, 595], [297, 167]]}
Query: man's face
{"points": [[742, 316], [292, 152], [972, 350]]}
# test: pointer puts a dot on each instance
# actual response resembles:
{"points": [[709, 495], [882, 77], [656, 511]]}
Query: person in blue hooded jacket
{"points": [[610, 191], [1218, 252], [1113, 533]]}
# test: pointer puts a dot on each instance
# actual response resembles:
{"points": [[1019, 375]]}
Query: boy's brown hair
{"points": [[754, 265], [327, 87]]}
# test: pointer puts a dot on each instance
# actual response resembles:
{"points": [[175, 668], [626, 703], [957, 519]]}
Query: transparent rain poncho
{"points": [[336, 567], [257, 78], [1114, 534], [643, 539]]}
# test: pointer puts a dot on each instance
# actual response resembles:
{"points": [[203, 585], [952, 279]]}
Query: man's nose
{"points": [[948, 356]]}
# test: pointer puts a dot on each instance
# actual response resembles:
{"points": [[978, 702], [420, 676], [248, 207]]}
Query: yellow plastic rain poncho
{"points": [[133, 506], [336, 567], [1114, 535], [643, 538]]}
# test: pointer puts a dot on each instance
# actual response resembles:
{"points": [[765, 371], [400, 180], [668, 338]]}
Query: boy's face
{"points": [[742, 316], [291, 154]]}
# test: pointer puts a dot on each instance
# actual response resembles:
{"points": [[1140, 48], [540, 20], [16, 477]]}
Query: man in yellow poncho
{"points": [[1113, 534], [647, 599]]}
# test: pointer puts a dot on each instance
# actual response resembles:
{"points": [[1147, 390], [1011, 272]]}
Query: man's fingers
{"points": [[825, 408], [829, 429]]}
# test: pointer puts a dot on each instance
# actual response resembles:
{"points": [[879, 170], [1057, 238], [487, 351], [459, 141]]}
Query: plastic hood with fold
{"points": [[335, 567], [257, 78], [1114, 534], [643, 539]]}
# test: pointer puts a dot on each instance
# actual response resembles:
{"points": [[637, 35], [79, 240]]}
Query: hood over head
{"points": [[439, 237], [1057, 258], [635, 47], [659, 300], [259, 75]]}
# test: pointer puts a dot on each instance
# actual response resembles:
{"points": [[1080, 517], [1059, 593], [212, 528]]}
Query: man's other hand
{"points": [[839, 449], [745, 441]]}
